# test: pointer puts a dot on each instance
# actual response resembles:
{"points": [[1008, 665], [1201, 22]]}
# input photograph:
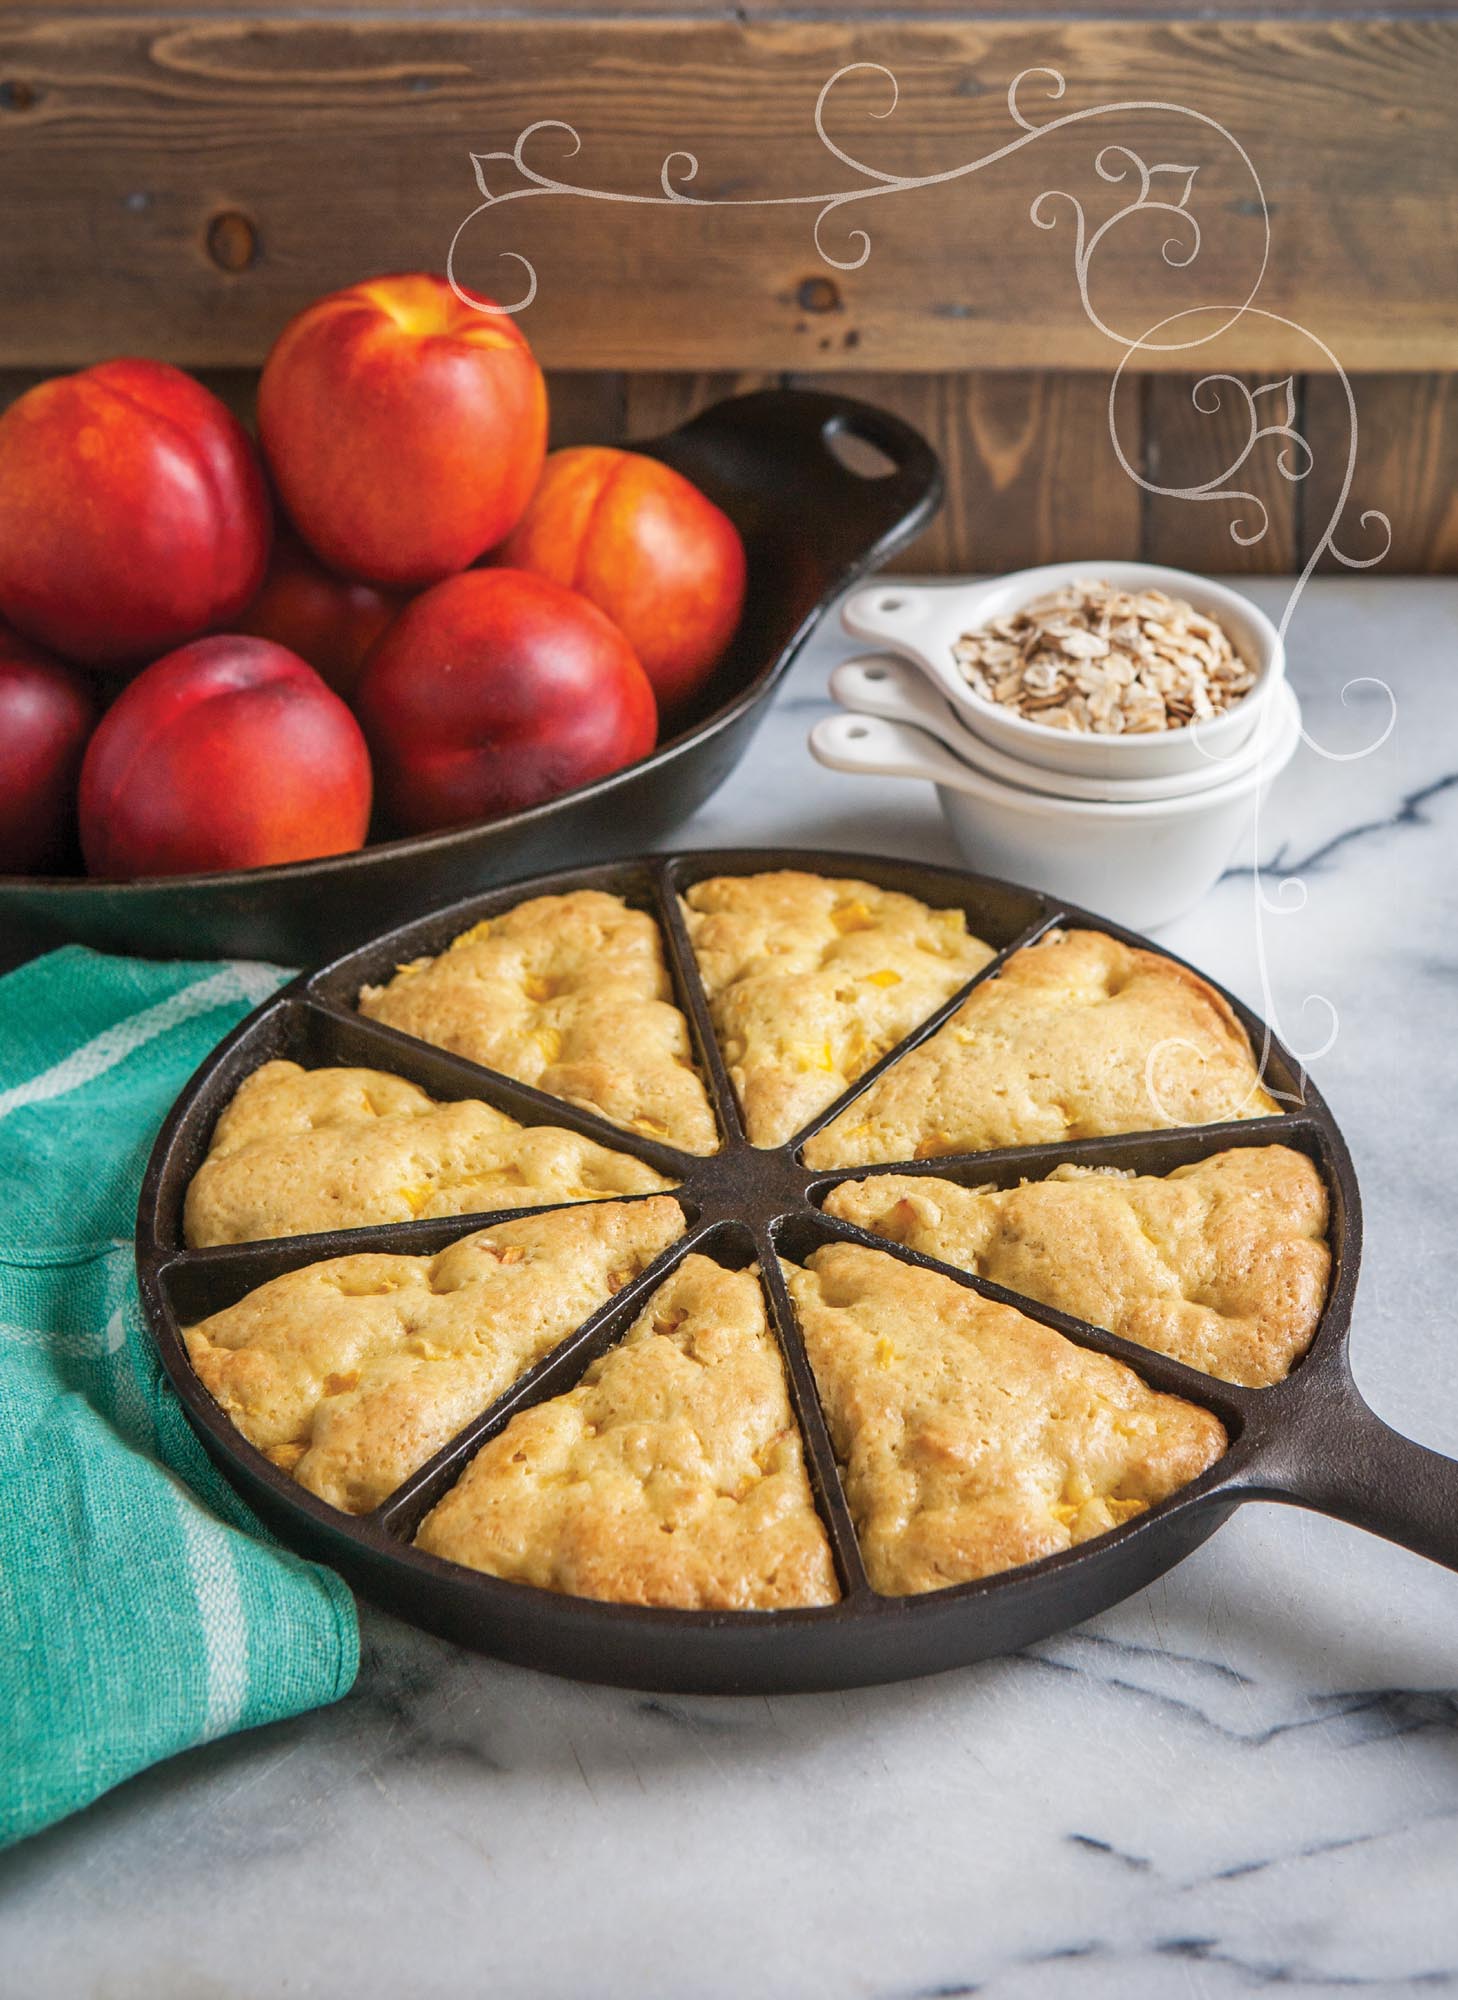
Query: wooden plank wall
{"points": [[186, 180], [179, 177]]}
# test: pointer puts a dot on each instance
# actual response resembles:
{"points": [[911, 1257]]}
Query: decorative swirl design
{"points": [[1113, 164], [1164, 189]]}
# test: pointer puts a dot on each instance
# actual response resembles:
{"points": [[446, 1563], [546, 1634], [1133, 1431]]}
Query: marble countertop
{"points": [[1246, 1777]]}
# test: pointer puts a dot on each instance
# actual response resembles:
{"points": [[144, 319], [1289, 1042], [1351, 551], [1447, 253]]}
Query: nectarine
{"points": [[326, 619], [494, 691], [46, 715], [405, 430], [229, 753], [133, 513], [649, 549]]}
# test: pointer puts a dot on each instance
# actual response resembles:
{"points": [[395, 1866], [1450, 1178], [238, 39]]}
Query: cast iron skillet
{"points": [[776, 463], [1310, 1440]]}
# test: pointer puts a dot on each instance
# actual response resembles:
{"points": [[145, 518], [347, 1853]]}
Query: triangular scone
{"points": [[972, 1438], [1222, 1264], [350, 1373], [571, 994], [672, 1474], [299, 1151], [811, 980], [1077, 1035]]}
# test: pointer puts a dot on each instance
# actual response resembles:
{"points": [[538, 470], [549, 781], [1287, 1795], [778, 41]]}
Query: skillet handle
{"points": [[795, 440], [1350, 1464], [911, 479]]}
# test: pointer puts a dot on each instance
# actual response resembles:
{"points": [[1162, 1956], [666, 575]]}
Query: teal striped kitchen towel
{"points": [[143, 1608]]}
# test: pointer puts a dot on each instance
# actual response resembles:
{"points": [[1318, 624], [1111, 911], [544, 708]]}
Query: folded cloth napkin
{"points": [[142, 1606]]}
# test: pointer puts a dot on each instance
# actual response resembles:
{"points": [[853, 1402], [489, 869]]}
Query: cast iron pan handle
{"points": [[1338, 1457], [914, 477], [889, 491]]}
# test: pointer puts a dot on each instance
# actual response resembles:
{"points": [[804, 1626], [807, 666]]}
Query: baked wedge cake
{"points": [[811, 980], [350, 1373], [568, 993], [671, 1475], [1222, 1264], [298, 1151], [972, 1438], [1077, 1035]]}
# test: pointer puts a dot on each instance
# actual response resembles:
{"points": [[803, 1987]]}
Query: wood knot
{"points": [[18, 96], [232, 240], [819, 295]]}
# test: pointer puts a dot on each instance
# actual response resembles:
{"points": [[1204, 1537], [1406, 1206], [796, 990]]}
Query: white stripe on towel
{"points": [[238, 980], [220, 1606]]}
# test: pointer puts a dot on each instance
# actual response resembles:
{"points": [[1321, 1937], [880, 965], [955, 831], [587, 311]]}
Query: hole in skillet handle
{"points": [[881, 462], [859, 454]]}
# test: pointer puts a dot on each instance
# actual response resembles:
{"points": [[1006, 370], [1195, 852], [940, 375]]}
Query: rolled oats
{"points": [[1092, 657]]}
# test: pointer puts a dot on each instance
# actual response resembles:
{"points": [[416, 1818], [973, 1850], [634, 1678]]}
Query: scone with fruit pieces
{"points": [[1222, 1264], [298, 1151], [350, 1373], [972, 1438], [671, 1475], [572, 995], [811, 979], [1077, 1035]]}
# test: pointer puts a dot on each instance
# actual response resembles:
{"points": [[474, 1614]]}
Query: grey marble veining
{"points": [[1244, 1779]]}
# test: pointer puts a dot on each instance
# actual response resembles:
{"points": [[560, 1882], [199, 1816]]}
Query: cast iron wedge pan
{"points": [[821, 487], [1310, 1440]]}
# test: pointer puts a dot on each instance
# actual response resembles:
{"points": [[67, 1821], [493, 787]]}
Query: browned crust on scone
{"points": [[1222, 1264], [571, 994], [1077, 1035], [671, 1475], [972, 1438], [298, 1151], [351, 1372], [812, 978]]}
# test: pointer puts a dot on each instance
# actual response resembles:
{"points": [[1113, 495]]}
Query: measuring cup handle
{"points": [[869, 745], [1345, 1461], [916, 620], [879, 684]]}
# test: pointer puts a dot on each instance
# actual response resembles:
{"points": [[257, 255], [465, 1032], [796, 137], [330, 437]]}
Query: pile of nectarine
{"points": [[413, 609]]}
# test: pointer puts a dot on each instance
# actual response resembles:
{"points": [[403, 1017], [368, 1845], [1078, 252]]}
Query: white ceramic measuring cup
{"points": [[1142, 864], [880, 684], [923, 622]]}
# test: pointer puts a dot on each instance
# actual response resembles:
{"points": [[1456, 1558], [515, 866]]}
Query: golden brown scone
{"points": [[811, 980], [571, 994], [1077, 1035], [972, 1438], [350, 1373], [1222, 1264], [299, 1150], [672, 1474]]}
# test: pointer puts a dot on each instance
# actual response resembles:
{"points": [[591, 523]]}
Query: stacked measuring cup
{"points": [[1139, 826]]}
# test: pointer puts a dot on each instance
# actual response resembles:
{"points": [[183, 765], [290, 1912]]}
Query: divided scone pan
{"points": [[1310, 1440]]}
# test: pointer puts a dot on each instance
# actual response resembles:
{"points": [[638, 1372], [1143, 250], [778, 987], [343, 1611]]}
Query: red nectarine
{"points": [[404, 429], [326, 619], [494, 691], [133, 513], [649, 549], [229, 753], [46, 715]]}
